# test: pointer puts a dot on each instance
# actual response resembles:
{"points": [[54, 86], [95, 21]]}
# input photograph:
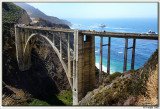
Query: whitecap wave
{"points": [[96, 50], [95, 26], [104, 68]]}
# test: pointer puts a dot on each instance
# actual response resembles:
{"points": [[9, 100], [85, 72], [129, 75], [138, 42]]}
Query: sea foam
{"points": [[104, 68]]}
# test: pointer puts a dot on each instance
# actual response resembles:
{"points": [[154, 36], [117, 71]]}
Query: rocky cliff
{"points": [[43, 80], [134, 87]]}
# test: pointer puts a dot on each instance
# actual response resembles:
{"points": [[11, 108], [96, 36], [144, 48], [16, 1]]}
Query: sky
{"points": [[98, 10]]}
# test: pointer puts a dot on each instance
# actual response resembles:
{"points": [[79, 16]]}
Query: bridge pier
{"points": [[108, 60], [125, 55], [101, 75], [133, 54], [69, 60], [60, 47], [83, 66], [100, 62]]}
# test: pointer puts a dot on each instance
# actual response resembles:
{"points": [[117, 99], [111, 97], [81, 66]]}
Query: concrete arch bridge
{"points": [[76, 52]]}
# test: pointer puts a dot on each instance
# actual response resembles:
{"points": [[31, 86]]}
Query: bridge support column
{"points": [[53, 39], [69, 61], [60, 47], [100, 62], [108, 60], [125, 55], [83, 66], [133, 54], [88, 63], [75, 72]]}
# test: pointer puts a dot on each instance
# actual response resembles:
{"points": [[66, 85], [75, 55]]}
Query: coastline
{"points": [[104, 68]]}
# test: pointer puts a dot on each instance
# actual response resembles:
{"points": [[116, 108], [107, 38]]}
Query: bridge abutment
{"points": [[19, 48]]}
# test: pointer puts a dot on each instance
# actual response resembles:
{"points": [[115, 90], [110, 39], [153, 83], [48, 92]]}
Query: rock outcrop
{"points": [[24, 19]]}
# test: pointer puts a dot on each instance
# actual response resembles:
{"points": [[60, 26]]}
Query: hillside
{"points": [[36, 13], [12, 14], [42, 83], [44, 23], [134, 87]]}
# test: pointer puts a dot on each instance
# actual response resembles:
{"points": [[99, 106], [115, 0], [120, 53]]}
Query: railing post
{"points": [[125, 55], [108, 60], [133, 54], [100, 62]]}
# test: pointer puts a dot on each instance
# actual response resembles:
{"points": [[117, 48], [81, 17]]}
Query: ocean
{"points": [[144, 48]]}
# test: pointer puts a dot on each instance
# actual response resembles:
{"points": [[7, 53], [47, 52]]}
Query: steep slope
{"points": [[43, 80], [11, 14], [34, 13], [134, 87]]}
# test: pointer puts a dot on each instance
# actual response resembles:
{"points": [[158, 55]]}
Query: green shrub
{"points": [[66, 97], [36, 102], [10, 15], [113, 76]]}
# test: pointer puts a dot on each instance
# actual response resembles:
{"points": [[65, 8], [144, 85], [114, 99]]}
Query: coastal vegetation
{"points": [[126, 88], [65, 98], [11, 13]]}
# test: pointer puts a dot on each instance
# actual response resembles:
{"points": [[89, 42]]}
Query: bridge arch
{"points": [[80, 73], [27, 54]]}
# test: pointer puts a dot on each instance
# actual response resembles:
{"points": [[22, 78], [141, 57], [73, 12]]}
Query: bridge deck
{"points": [[98, 33], [122, 35]]}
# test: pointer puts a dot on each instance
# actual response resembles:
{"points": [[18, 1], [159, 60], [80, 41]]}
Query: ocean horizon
{"points": [[144, 48]]}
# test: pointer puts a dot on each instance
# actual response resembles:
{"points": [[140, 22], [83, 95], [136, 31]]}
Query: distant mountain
{"points": [[35, 13]]}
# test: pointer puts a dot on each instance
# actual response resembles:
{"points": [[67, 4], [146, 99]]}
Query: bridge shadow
{"points": [[37, 82], [40, 84]]}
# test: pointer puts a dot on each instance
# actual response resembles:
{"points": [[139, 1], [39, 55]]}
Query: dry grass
{"points": [[152, 90], [7, 100], [18, 97]]}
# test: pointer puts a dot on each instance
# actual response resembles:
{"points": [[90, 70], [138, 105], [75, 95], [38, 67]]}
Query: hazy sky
{"points": [[98, 10]]}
